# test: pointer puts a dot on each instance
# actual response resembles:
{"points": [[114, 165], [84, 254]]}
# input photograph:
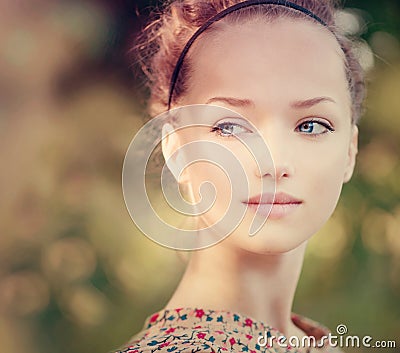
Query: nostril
{"points": [[282, 172]]}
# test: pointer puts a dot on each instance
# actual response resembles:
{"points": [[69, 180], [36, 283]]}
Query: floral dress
{"points": [[192, 330]]}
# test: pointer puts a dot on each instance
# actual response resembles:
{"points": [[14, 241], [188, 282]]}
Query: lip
{"points": [[273, 206]]}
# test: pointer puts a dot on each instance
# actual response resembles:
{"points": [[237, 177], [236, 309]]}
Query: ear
{"points": [[170, 147], [352, 153]]}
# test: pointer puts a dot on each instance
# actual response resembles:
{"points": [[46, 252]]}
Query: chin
{"points": [[266, 242]]}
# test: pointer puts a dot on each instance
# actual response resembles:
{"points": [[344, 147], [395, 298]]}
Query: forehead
{"points": [[265, 58]]}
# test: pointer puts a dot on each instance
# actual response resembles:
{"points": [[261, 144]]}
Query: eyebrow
{"points": [[308, 103], [300, 104], [236, 102]]}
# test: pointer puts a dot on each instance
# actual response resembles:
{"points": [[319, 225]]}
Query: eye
{"points": [[227, 128], [314, 127]]}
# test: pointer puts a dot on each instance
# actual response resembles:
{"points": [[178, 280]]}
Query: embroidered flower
{"points": [[248, 322], [154, 318], [170, 330], [201, 335], [232, 341], [199, 313]]}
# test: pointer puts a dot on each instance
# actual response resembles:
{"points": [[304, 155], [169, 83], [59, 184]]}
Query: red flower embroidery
{"points": [[164, 344], [249, 337], [199, 313], [248, 322], [224, 349], [252, 351], [154, 318], [178, 310], [201, 335], [171, 329], [232, 341]]}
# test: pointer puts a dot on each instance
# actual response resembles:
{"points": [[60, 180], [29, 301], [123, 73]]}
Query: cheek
{"points": [[231, 172], [203, 173], [211, 192], [228, 165], [325, 179]]}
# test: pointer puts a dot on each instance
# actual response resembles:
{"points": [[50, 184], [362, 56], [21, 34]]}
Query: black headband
{"points": [[219, 16]]}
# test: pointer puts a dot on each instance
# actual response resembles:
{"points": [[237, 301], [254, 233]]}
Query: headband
{"points": [[221, 15]]}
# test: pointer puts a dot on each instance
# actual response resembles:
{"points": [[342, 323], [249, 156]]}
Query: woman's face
{"points": [[288, 79]]}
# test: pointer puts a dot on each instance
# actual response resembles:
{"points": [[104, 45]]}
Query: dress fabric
{"points": [[191, 330]]}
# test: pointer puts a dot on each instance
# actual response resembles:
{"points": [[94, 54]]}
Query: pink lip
{"points": [[273, 206]]}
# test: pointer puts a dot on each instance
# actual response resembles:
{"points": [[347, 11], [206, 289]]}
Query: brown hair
{"points": [[162, 41]]}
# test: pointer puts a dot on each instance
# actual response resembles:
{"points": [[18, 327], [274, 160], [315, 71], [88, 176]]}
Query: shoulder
{"points": [[198, 339], [197, 330], [318, 331], [169, 340]]}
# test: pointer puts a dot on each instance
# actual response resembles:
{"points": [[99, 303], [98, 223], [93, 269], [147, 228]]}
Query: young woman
{"points": [[284, 67]]}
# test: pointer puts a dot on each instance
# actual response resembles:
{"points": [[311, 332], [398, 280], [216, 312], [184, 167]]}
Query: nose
{"points": [[278, 165], [277, 170]]}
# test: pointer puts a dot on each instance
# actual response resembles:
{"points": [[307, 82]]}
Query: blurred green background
{"points": [[75, 273]]}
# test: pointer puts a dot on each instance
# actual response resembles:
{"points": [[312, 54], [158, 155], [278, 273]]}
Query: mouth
{"points": [[273, 206]]}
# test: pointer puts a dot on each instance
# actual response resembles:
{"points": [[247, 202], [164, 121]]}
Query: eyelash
{"points": [[320, 122], [218, 130]]}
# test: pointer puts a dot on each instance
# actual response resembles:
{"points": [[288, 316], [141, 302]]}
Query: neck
{"points": [[259, 286]]}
